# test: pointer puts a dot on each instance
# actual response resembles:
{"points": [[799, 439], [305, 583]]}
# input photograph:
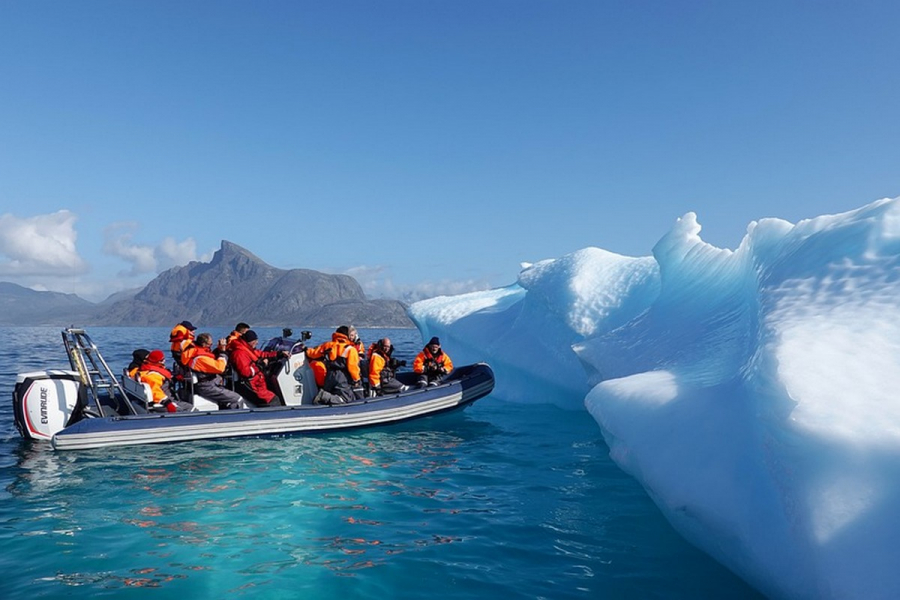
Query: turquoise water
{"points": [[498, 499]]}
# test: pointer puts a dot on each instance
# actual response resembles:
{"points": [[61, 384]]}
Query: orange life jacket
{"points": [[340, 347], [441, 359], [377, 363], [155, 376], [181, 337], [319, 371], [205, 364]]}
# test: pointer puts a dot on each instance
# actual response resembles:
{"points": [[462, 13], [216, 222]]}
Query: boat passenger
{"points": [[182, 342], [317, 366], [209, 366], [153, 372], [342, 379], [249, 363], [239, 330], [137, 359], [181, 337], [432, 364], [360, 349], [354, 339], [382, 369]]}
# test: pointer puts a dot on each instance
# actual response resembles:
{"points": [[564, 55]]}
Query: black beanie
{"points": [[433, 340], [249, 336]]}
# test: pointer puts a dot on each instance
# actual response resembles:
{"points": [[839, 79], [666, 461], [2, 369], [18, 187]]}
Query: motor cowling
{"points": [[295, 380], [44, 402]]}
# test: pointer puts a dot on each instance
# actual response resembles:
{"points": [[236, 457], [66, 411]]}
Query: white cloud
{"points": [[377, 282], [39, 245], [170, 253], [145, 258]]}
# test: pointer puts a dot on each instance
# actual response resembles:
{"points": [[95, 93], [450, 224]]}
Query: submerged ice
{"points": [[753, 393]]}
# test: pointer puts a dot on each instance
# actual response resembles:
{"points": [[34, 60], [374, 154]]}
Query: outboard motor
{"points": [[44, 402]]}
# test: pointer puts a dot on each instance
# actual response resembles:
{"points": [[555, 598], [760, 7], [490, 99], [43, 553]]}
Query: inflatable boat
{"points": [[90, 407]]}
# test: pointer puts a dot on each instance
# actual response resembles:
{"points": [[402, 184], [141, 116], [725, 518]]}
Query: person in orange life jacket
{"points": [[432, 364], [181, 337], [354, 339], [342, 379], [382, 369], [317, 365], [239, 330], [208, 366], [247, 361], [153, 372]]}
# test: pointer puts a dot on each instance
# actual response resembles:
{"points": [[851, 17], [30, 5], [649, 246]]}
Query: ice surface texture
{"points": [[754, 393]]}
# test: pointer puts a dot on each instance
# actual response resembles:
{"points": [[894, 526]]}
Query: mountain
{"points": [[118, 296], [22, 306], [238, 286]]}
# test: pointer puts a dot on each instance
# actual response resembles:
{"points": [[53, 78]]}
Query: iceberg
{"points": [[752, 392]]}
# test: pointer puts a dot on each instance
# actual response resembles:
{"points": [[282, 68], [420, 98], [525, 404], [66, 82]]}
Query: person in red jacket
{"points": [[432, 364], [249, 364], [239, 330]]}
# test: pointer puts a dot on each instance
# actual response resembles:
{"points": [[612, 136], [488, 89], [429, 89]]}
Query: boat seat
{"points": [[140, 395], [199, 402], [138, 390]]}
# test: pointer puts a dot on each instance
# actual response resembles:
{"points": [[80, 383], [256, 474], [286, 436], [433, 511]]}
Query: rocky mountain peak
{"points": [[236, 285], [229, 252]]}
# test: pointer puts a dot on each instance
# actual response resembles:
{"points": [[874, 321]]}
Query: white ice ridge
{"points": [[755, 393]]}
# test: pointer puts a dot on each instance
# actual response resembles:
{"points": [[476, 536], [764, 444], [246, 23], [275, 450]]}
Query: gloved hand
{"points": [[170, 406]]}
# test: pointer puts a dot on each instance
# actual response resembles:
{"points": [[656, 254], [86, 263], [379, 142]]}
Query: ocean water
{"points": [[497, 499]]}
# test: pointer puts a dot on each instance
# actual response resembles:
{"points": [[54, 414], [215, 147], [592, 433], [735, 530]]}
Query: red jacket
{"points": [[245, 360], [230, 341]]}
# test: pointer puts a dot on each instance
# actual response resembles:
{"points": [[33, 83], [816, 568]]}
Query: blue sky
{"points": [[426, 146]]}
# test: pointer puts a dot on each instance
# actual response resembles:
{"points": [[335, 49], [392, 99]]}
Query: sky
{"points": [[425, 146]]}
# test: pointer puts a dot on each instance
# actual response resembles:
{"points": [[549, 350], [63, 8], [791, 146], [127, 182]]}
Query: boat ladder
{"points": [[105, 394]]}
